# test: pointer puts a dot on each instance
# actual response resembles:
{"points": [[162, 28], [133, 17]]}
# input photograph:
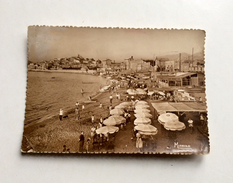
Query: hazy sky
{"points": [[46, 43]]}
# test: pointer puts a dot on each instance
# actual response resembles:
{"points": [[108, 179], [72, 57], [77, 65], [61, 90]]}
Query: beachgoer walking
{"points": [[60, 114], [92, 118], [77, 104], [190, 122], [77, 114], [82, 92], [81, 141], [110, 99]]}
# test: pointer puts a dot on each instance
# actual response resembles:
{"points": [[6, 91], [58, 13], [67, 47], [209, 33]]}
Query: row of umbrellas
{"points": [[171, 122], [143, 119], [114, 119], [138, 91]]}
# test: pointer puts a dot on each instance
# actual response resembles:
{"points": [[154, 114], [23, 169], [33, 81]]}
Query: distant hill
{"points": [[184, 56]]}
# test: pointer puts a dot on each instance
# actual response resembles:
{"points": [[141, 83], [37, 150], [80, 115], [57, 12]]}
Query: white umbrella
{"points": [[141, 91], [131, 92], [143, 115], [142, 106], [114, 120], [141, 110], [142, 102], [161, 93], [117, 112], [107, 129], [174, 126], [139, 121], [146, 129], [167, 117]]}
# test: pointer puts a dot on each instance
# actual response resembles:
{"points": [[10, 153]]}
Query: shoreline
{"points": [[90, 72]]}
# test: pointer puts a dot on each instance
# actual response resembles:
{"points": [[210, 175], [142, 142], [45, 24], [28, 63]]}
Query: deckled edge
{"points": [[117, 153]]}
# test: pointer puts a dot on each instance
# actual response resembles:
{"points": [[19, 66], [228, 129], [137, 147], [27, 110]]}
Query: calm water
{"points": [[48, 92]]}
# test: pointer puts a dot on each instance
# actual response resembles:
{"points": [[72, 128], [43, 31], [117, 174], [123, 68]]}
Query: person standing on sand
{"points": [[110, 99], [92, 118], [60, 114], [190, 122], [82, 92], [81, 141]]}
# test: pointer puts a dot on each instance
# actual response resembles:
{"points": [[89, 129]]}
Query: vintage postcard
{"points": [[115, 90]]}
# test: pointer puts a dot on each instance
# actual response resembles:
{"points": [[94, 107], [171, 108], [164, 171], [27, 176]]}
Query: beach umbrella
{"points": [[150, 93], [174, 126], [131, 92], [114, 120], [140, 91], [120, 107], [146, 129], [142, 106], [167, 117], [139, 121], [117, 112], [107, 129], [141, 102], [141, 110], [143, 115], [161, 93]]}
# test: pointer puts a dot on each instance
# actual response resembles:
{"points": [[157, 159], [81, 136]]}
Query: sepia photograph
{"points": [[115, 90]]}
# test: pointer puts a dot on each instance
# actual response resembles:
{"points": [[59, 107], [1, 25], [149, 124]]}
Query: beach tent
{"points": [[107, 129], [139, 121], [174, 126], [114, 120], [167, 117], [146, 129]]}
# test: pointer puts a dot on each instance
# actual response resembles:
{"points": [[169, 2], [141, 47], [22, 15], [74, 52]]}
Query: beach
{"points": [[49, 134]]}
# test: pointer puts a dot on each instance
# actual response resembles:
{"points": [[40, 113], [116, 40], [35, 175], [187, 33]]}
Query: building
{"points": [[137, 65], [180, 79]]}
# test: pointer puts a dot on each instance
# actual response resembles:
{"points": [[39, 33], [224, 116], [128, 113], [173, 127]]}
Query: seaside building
{"points": [[180, 79], [137, 65]]}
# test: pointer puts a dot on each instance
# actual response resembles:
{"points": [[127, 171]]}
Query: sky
{"points": [[45, 43]]}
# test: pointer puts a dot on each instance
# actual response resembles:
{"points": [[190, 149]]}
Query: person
{"points": [[83, 107], [93, 129], [88, 144], [92, 118], [110, 99], [140, 144], [101, 105], [82, 91], [138, 136], [60, 114], [190, 122], [77, 104], [202, 119], [90, 98], [127, 98], [81, 141], [101, 121], [132, 98], [64, 148], [77, 114], [118, 96]]}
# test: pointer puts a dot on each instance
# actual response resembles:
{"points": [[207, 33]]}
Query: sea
{"points": [[47, 92]]}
